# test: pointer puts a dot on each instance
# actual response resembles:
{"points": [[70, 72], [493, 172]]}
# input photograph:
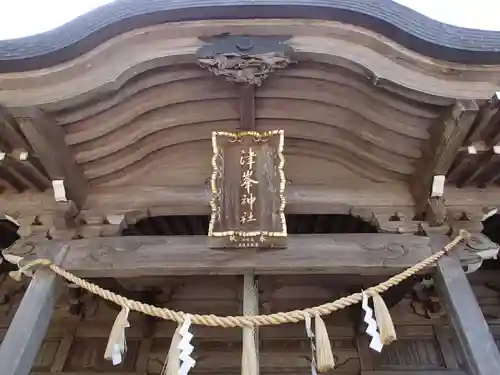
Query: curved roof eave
{"points": [[399, 23]]}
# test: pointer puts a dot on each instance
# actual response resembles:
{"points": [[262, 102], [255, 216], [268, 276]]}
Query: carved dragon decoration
{"points": [[244, 60]]}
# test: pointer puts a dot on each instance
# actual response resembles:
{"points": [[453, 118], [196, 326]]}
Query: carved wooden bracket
{"points": [[65, 222], [470, 220], [426, 301], [436, 212], [477, 248], [98, 224], [389, 220], [244, 59]]}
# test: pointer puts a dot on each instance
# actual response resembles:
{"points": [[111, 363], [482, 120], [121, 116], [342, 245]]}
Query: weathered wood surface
{"points": [[26, 333], [194, 200], [300, 199], [247, 107], [481, 353], [189, 255]]}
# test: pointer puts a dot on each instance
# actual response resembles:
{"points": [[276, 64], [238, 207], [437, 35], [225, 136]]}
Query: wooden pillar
{"points": [[250, 359], [480, 352], [27, 330]]}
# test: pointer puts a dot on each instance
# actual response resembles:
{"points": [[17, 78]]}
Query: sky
{"points": [[20, 18]]}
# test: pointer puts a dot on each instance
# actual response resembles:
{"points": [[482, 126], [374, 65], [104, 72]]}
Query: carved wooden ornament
{"points": [[244, 59], [248, 185]]}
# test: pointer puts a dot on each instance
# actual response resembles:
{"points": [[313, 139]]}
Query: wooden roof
{"points": [[381, 100], [385, 17]]}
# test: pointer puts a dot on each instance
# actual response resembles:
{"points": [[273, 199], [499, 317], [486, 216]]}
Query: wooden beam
{"points": [[27, 331], [443, 147], [247, 107], [190, 255], [48, 143], [481, 353], [194, 200], [299, 199]]}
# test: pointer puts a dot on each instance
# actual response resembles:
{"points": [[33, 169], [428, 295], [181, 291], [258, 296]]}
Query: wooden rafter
{"points": [[488, 116], [464, 162], [444, 144], [486, 169], [48, 143], [11, 136], [478, 160]]}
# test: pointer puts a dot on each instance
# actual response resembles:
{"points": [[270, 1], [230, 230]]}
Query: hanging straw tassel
{"points": [[324, 355], [384, 320], [117, 345], [173, 362]]}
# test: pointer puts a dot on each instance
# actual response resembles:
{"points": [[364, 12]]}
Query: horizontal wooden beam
{"points": [[300, 199], [124, 257], [195, 200]]}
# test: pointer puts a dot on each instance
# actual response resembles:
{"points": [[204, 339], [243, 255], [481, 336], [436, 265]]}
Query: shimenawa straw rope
{"points": [[241, 321]]}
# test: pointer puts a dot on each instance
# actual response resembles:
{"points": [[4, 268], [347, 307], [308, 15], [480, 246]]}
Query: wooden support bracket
{"points": [[444, 144]]}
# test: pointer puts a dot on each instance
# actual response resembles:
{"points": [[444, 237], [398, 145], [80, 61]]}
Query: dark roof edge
{"points": [[399, 23]]}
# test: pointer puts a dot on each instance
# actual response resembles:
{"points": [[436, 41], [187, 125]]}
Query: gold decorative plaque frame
{"points": [[257, 148]]}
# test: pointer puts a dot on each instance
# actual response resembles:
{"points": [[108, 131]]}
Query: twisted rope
{"points": [[294, 316]]}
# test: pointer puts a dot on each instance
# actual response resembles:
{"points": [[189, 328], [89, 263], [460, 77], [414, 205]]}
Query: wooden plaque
{"points": [[248, 186]]}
